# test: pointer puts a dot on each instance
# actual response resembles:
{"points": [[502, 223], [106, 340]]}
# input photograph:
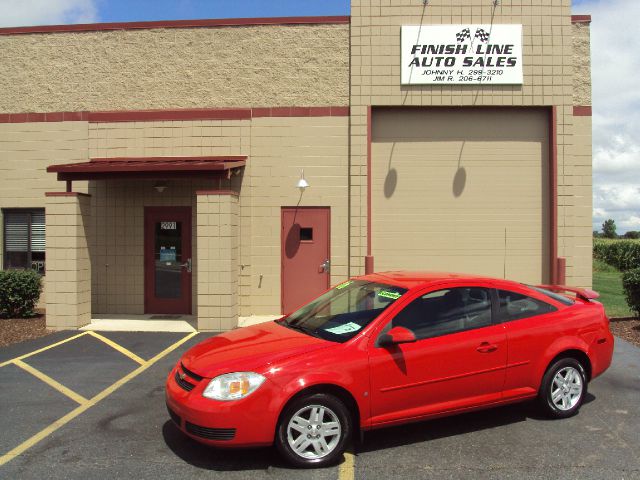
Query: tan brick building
{"points": [[162, 160]]}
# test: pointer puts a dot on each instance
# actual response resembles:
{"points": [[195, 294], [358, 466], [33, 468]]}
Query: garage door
{"points": [[462, 190]]}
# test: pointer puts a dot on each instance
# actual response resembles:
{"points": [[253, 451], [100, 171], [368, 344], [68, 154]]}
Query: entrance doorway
{"points": [[167, 260], [305, 255]]}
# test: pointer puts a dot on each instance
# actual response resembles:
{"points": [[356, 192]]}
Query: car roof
{"points": [[410, 279]]}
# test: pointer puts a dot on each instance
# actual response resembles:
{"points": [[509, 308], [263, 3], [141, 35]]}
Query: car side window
{"points": [[446, 311], [515, 306]]}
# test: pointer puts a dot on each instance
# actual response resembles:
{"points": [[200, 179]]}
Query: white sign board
{"points": [[461, 54]]}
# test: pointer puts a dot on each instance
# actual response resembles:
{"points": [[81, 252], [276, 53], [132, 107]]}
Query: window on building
{"points": [[515, 306], [24, 239]]}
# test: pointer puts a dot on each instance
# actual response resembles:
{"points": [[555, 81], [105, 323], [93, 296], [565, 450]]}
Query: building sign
{"points": [[461, 54]]}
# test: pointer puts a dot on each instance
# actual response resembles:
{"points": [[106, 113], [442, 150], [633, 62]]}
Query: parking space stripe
{"points": [[35, 352], [117, 347], [51, 382], [42, 434], [346, 471]]}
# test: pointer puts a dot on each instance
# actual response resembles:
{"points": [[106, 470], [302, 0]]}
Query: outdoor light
{"points": [[160, 186], [302, 183]]}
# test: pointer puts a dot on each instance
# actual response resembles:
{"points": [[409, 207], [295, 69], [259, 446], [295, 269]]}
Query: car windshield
{"points": [[343, 311]]}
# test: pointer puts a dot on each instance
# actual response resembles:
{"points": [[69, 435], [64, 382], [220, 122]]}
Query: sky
{"points": [[615, 71]]}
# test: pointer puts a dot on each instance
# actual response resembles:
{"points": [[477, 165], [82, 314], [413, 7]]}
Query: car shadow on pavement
{"points": [[425, 431], [218, 459]]}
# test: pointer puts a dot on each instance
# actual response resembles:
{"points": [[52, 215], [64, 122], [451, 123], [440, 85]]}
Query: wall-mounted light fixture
{"points": [[302, 183], [160, 186]]}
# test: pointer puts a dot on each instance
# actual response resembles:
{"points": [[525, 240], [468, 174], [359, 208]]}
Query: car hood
{"points": [[253, 348]]}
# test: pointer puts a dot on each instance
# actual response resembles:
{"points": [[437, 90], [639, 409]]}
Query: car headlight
{"points": [[233, 386]]}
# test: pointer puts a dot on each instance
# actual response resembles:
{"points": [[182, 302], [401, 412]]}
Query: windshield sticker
{"points": [[388, 294], [345, 284], [346, 328]]}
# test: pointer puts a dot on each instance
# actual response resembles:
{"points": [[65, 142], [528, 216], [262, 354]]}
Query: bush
{"points": [[622, 254], [631, 286], [19, 293]]}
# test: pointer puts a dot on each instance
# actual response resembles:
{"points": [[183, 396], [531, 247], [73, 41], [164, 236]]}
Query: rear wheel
{"points": [[563, 389], [313, 431]]}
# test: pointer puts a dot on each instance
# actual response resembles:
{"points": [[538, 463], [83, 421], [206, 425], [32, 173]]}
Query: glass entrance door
{"points": [[168, 262]]}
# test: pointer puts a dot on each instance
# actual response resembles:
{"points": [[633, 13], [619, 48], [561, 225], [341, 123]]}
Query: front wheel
{"points": [[563, 389], [313, 431]]}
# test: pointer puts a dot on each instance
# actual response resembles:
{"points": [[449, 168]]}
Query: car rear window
{"points": [[556, 296], [516, 306]]}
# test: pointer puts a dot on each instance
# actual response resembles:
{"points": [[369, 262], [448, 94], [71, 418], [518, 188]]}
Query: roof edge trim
{"points": [[200, 23]]}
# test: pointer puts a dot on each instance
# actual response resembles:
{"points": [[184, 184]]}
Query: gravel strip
{"points": [[14, 330], [627, 329]]}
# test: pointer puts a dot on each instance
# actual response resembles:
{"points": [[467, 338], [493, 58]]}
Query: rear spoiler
{"points": [[582, 293]]}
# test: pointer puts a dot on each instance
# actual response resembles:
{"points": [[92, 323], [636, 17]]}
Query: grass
{"points": [[607, 281]]}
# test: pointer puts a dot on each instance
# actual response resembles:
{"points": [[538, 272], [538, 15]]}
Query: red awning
{"points": [[146, 167]]}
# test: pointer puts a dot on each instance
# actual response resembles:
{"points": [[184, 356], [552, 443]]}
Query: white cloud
{"points": [[616, 106], [18, 13]]}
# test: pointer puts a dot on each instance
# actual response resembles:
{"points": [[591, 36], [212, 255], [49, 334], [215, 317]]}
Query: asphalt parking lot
{"points": [[94, 406]]}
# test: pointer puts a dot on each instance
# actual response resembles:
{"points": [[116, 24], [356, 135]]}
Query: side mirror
{"points": [[396, 336]]}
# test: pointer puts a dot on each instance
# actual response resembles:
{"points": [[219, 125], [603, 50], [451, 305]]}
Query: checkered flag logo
{"points": [[463, 35], [482, 35]]}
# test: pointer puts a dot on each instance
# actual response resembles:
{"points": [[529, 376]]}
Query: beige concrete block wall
{"points": [[26, 149], [280, 149], [548, 45], [169, 138], [576, 204], [68, 263], [268, 65], [218, 255]]}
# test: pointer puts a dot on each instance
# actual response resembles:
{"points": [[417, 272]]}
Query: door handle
{"points": [[325, 266], [486, 347], [187, 265]]}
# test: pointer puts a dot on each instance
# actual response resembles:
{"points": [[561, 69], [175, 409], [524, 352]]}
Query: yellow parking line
{"points": [[85, 406], [51, 382], [21, 357], [117, 347], [346, 470]]}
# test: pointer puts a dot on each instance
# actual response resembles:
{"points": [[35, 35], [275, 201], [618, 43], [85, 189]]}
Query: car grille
{"points": [[211, 433], [174, 416], [183, 383], [189, 373]]}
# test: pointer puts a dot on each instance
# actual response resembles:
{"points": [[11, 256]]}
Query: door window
{"points": [[168, 258], [446, 311]]}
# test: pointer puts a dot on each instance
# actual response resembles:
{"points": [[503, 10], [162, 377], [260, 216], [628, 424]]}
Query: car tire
{"points": [[563, 388], [313, 431]]}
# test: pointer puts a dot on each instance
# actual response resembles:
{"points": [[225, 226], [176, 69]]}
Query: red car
{"points": [[386, 349]]}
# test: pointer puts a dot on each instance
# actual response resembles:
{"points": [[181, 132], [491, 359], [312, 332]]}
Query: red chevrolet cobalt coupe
{"points": [[386, 349]]}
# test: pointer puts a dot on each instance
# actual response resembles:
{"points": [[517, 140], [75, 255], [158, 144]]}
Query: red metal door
{"points": [[167, 260], [305, 255]]}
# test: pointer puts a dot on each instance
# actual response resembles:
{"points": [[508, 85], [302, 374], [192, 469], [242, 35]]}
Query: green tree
{"points": [[632, 234], [609, 228]]}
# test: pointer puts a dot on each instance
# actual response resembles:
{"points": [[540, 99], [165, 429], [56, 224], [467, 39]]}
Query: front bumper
{"points": [[247, 422]]}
